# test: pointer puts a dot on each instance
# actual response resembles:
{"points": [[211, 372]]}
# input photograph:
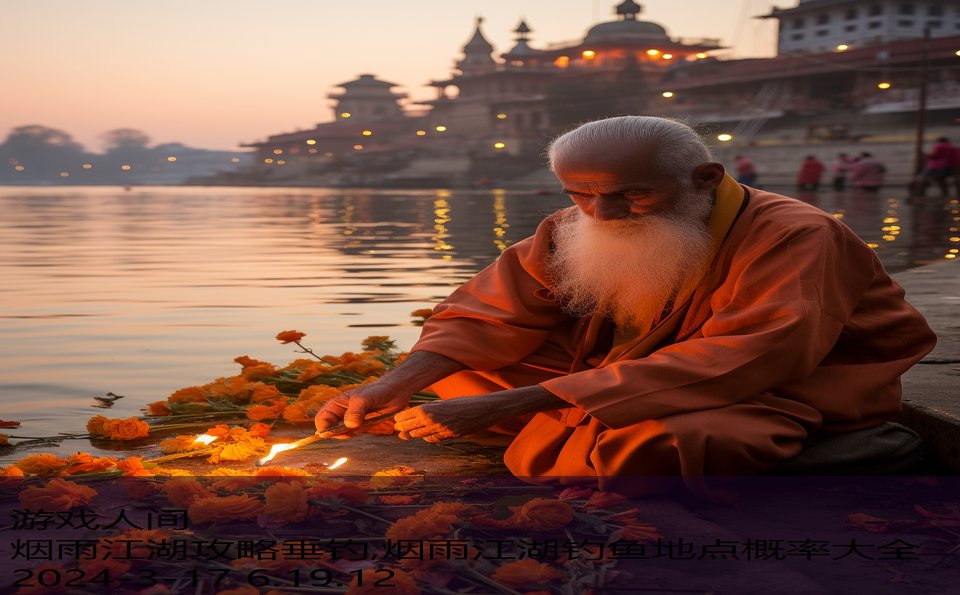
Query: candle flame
{"points": [[274, 451], [337, 463], [205, 438]]}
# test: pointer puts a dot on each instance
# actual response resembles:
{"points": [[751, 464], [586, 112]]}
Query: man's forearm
{"points": [[526, 399], [420, 370]]}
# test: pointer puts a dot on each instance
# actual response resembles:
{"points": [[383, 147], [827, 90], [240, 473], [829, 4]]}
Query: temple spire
{"points": [[629, 10]]}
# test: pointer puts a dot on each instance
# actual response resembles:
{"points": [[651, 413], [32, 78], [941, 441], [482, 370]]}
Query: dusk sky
{"points": [[214, 73]]}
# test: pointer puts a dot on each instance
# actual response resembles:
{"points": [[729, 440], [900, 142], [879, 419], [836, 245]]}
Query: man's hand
{"points": [[353, 406], [452, 418]]}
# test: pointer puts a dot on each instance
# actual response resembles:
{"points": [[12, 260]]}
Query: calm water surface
{"points": [[145, 291]]}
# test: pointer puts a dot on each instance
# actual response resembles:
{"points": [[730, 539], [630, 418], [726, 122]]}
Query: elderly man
{"points": [[671, 324]]}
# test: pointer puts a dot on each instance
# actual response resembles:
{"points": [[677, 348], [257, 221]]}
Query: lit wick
{"points": [[337, 463], [274, 450], [205, 438]]}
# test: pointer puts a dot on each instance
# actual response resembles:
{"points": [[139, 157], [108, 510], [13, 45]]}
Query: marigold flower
{"points": [[576, 493], [543, 514], [265, 392], [56, 495], [158, 408], [184, 492], [130, 428], [179, 444], [249, 362], [41, 464], [239, 450], [318, 393], [286, 502], [274, 471], [454, 508], [259, 430], [401, 583], [604, 500], [83, 462], [297, 413], [235, 388], [254, 373], [235, 484], [398, 476], [138, 489], [225, 508], [11, 471], [425, 524], [290, 336], [314, 369], [333, 490], [133, 467], [190, 394], [525, 573], [639, 532], [258, 412]]}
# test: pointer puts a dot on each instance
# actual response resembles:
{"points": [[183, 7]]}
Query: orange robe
{"points": [[796, 327]]}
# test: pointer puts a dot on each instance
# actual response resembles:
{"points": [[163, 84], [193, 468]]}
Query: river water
{"points": [[140, 292]]}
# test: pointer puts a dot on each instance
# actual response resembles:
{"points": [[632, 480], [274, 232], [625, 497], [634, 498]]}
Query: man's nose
{"points": [[611, 207]]}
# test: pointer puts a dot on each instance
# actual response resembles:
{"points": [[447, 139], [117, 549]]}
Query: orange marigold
{"points": [[130, 428], [226, 508], [400, 499], [236, 388], [604, 500], [286, 502], [57, 494], [133, 467], [258, 412], [11, 471], [259, 430], [425, 524], [249, 362], [265, 393], [543, 514], [184, 492], [83, 462], [158, 408], [297, 413], [318, 393], [525, 573], [42, 464], [290, 336], [333, 490], [639, 532], [179, 444], [191, 394], [258, 372], [401, 583]]}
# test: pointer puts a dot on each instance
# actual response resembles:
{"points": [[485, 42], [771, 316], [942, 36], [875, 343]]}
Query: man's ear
{"points": [[708, 176]]}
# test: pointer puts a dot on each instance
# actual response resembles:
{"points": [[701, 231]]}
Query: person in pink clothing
{"points": [[867, 173], [810, 172], [939, 164]]}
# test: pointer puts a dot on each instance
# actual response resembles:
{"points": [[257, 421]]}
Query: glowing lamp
{"points": [[281, 162], [499, 145], [19, 168], [367, 132], [501, 116], [842, 47], [64, 174], [441, 129], [667, 94], [126, 167], [653, 52], [884, 85], [171, 159], [668, 56], [345, 115], [268, 161], [234, 160], [311, 142], [588, 54], [421, 133], [724, 137], [562, 62], [278, 151], [87, 166], [357, 147], [701, 55]]}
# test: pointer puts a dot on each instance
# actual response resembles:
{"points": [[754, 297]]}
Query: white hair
{"points": [[678, 149]]}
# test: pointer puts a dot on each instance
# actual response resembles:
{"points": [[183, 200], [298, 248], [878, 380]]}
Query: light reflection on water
{"points": [[145, 291]]}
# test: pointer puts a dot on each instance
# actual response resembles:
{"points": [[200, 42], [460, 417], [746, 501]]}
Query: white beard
{"points": [[629, 270]]}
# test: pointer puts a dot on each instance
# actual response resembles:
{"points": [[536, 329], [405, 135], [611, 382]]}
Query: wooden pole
{"points": [[918, 155]]}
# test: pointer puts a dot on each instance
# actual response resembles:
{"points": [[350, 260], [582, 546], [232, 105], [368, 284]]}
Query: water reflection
{"points": [[147, 291]]}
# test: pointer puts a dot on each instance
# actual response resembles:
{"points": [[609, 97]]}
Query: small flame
{"points": [[274, 451], [337, 463], [205, 438]]}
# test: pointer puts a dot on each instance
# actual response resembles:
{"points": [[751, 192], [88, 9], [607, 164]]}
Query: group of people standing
{"points": [[862, 172]]}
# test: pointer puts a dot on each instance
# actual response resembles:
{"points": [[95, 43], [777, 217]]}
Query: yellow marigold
{"points": [[263, 393], [258, 372], [133, 467], [401, 583], [525, 573], [83, 462], [225, 508], [543, 514], [56, 495], [190, 394], [158, 408], [290, 336], [297, 413], [258, 412], [184, 492], [241, 450], [42, 464], [286, 502]]}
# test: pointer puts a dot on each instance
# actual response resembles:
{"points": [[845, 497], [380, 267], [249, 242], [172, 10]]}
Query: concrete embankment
{"points": [[931, 389]]}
